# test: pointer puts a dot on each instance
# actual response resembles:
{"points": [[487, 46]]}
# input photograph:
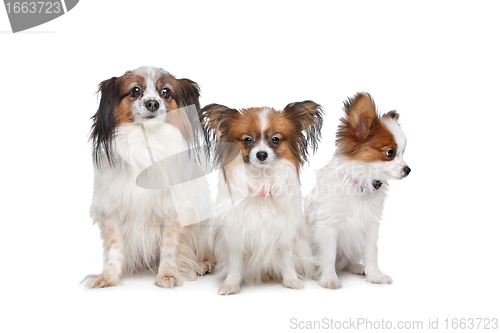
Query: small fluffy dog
{"points": [[142, 118], [261, 232], [345, 207]]}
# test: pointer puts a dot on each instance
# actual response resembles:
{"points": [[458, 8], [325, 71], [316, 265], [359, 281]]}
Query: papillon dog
{"points": [[260, 233], [345, 207], [142, 118]]}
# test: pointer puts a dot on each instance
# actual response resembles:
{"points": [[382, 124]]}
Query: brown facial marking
{"points": [[123, 111], [168, 81], [297, 126], [288, 146], [243, 125], [183, 93], [362, 135], [165, 81]]}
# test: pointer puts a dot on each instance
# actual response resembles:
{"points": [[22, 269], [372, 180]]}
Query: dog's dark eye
{"points": [[390, 153], [275, 140], [165, 93], [247, 141], [136, 92]]}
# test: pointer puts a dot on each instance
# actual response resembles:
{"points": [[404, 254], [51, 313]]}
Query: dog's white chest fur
{"points": [[115, 186], [261, 226], [339, 205], [344, 218], [141, 215]]}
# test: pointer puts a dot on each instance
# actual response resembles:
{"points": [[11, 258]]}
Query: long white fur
{"points": [[262, 237], [344, 211], [144, 221]]}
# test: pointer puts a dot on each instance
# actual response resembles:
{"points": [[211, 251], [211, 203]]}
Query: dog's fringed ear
{"points": [[360, 115], [104, 121], [216, 121], [307, 119], [187, 95]]}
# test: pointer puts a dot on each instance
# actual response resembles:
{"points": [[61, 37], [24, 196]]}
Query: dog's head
{"points": [[144, 94], [377, 141], [265, 135]]}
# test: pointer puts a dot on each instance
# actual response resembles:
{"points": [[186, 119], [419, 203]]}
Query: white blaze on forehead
{"points": [[150, 72], [151, 75], [264, 120], [398, 134], [262, 145]]}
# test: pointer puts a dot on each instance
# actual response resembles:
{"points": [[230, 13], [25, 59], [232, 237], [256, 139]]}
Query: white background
{"points": [[436, 63]]}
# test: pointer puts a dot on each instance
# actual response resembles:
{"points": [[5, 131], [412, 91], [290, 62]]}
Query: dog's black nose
{"points": [[152, 105], [377, 184], [406, 170], [262, 155]]}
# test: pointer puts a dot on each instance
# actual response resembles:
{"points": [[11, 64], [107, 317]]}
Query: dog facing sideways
{"points": [[345, 207]]}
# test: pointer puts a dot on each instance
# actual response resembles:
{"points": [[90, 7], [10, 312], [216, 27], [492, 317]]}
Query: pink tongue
{"points": [[262, 191]]}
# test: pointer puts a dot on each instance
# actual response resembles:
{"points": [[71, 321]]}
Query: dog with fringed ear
{"points": [[345, 207], [146, 116], [263, 235]]}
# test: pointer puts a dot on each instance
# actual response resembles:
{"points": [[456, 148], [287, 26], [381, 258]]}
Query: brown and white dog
{"points": [[260, 233], [345, 207], [142, 118]]}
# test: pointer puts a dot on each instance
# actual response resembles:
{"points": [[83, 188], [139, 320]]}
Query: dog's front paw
{"points": [[330, 282], [229, 289], [379, 279], [206, 267], [293, 283], [100, 281], [167, 280]]}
